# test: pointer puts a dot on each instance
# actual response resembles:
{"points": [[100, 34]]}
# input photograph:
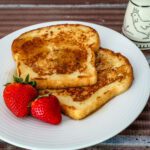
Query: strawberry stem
{"points": [[26, 81], [20, 80], [17, 79], [27, 78]]}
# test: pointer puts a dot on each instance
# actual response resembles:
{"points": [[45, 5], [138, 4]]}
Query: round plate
{"points": [[70, 134]]}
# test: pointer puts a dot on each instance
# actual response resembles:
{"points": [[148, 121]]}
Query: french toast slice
{"points": [[57, 56], [115, 75]]}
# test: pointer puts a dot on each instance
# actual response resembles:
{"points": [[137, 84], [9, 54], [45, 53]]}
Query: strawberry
{"points": [[47, 109], [18, 96]]}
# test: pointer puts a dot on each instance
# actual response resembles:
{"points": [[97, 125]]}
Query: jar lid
{"points": [[142, 3]]}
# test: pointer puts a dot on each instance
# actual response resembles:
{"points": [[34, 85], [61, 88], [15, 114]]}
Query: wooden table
{"points": [[18, 14]]}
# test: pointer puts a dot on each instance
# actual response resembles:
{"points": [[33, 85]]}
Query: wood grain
{"points": [[61, 1], [12, 19]]}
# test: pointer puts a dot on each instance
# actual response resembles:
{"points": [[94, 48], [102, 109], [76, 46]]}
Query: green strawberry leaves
{"points": [[17, 79], [27, 78], [33, 83], [26, 81]]}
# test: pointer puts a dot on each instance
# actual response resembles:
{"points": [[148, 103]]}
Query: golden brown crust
{"points": [[83, 101], [30, 43], [49, 53], [64, 64], [106, 76], [78, 114], [57, 84]]}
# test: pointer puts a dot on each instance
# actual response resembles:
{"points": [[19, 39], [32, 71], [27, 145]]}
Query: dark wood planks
{"points": [[60, 1], [13, 19], [6, 146]]}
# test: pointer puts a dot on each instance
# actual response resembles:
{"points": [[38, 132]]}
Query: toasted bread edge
{"points": [[95, 104], [45, 83], [94, 47], [76, 82]]}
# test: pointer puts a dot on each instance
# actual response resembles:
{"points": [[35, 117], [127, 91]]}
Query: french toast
{"points": [[115, 75], [57, 56]]}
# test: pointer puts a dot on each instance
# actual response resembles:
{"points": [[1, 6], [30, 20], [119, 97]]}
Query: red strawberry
{"points": [[47, 109], [18, 96]]}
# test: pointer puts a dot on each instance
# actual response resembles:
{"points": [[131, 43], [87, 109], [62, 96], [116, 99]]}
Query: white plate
{"points": [[98, 127]]}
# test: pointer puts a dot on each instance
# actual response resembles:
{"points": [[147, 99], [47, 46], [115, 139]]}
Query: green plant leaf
{"points": [[27, 79], [33, 83], [17, 79]]}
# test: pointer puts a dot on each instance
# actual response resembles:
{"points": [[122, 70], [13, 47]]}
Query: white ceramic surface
{"points": [[141, 2], [70, 134], [136, 24]]}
